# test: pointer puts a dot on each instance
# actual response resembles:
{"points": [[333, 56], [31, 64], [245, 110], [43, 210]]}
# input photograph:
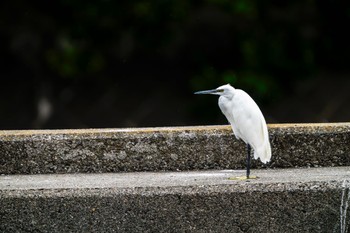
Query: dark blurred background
{"points": [[80, 64]]}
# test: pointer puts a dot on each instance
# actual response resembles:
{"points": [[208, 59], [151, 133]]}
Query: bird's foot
{"points": [[243, 178]]}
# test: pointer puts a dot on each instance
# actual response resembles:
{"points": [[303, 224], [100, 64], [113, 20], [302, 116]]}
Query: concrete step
{"points": [[280, 200], [167, 149]]}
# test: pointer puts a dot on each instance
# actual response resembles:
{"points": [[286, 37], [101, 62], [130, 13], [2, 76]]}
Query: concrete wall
{"points": [[281, 200], [162, 149], [74, 180]]}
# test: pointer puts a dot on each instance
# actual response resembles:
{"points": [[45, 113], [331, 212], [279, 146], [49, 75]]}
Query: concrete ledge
{"points": [[287, 200], [160, 149]]}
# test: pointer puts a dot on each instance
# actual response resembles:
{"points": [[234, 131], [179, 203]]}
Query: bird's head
{"points": [[225, 90]]}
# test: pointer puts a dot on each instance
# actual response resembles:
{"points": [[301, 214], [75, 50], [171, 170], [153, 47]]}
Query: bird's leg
{"points": [[248, 176], [249, 149]]}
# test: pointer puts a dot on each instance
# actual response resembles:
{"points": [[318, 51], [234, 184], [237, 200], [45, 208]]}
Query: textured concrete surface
{"points": [[280, 200], [173, 149]]}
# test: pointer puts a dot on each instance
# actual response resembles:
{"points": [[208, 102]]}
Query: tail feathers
{"points": [[263, 152]]}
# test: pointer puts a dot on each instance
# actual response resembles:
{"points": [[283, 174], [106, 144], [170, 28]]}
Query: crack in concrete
{"points": [[345, 198]]}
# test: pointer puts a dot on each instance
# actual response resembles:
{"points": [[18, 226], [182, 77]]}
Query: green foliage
{"points": [[73, 61], [248, 80], [259, 45]]}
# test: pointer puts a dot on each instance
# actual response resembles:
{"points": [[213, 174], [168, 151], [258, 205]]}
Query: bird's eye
{"points": [[220, 90]]}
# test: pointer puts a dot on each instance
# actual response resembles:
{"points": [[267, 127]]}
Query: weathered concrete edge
{"points": [[296, 128], [185, 183], [169, 148], [259, 206]]}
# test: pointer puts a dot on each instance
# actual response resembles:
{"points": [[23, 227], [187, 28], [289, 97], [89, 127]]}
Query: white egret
{"points": [[246, 119]]}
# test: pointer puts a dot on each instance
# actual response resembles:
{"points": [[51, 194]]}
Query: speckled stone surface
{"points": [[167, 149], [280, 200]]}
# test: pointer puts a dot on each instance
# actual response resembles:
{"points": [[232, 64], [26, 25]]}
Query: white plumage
{"points": [[246, 119]]}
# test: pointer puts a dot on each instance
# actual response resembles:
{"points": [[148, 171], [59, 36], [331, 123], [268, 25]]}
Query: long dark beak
{"points": [[214, 91]]}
